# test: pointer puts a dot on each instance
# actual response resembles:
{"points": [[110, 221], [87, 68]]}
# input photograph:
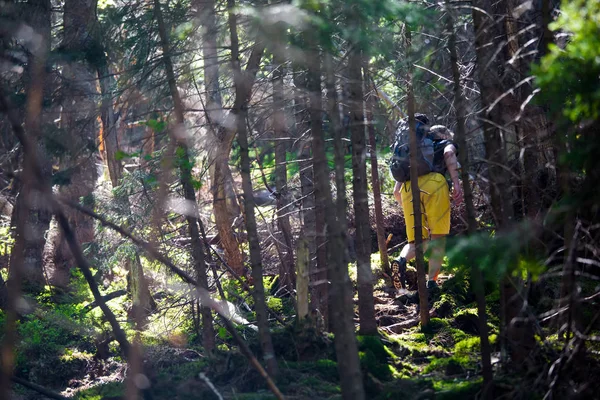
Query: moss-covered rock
{"points": [[376, 358], [467, 321], [459, 288], [445, 306]]}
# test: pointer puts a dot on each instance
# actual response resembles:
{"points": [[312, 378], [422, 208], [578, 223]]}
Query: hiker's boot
{"points": [[399, 273]]}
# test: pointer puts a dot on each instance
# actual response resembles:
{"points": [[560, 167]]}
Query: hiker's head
{"points": [[440, 132]]}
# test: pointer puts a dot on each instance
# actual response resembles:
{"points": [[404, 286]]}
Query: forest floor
{"points": [[402, 362]]}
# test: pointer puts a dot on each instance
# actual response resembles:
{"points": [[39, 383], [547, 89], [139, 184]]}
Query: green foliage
{"points": [[54, 342], [568, 83], [6, 240], [569, 78], [495, 255]]}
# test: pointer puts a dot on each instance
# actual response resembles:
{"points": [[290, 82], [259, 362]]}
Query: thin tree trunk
{"points": [[416, 194], [225, 206], [109, 135], [319, 166], [489, 63], [286, 273], [306, 181], [366, 306], [255, 248], [341, 313], [208, 335], [463, 157], [340, 205], [376, 183], [140, 293]]}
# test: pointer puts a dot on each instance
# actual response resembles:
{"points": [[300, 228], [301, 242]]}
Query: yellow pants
{"points": [[435, 206]]}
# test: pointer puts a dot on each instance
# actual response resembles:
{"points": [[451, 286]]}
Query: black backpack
{"points": [[400, 161]]}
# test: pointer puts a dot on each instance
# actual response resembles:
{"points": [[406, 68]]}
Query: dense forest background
{"points": [[195, 199]]}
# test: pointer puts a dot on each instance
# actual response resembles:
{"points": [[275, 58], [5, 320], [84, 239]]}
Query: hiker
{"points": [[435, 203]]}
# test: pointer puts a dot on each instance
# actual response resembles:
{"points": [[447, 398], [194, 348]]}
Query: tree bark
{"points": [[463, 157], [366, 306], [38, 15], [490, 69], [255, 248], [306, 179], [140, 293], [208, 335], [319, 167], [286, 273], [416, 194], [341, 203], [341, 313], [225, 205], [79, 113], [376, 183]]}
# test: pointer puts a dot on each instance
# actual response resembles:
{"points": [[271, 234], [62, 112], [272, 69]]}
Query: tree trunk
{"points": [[463, 156], [340, 205], [416, 194], [78, 118], [366, 306], [109, 138], [319, 166], [286, 272], [208, 335], [341, 313], [38, 15], [306, 181], [490, 68], [255, 248], [376, 183], [225, 206], [140, 293], [35, 95]]}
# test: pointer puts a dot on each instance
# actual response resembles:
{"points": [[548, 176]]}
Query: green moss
{"points": [[450, 366], [111, 389], [459, 288], [413, 341], [375, 357], [435, 325], [375, 345], [471, 345], [457, 389], [446, 305], [373, 365], [448, 337]]}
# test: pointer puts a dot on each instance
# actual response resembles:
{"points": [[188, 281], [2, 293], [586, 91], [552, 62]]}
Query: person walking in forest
{"points": [[435, 200]]}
